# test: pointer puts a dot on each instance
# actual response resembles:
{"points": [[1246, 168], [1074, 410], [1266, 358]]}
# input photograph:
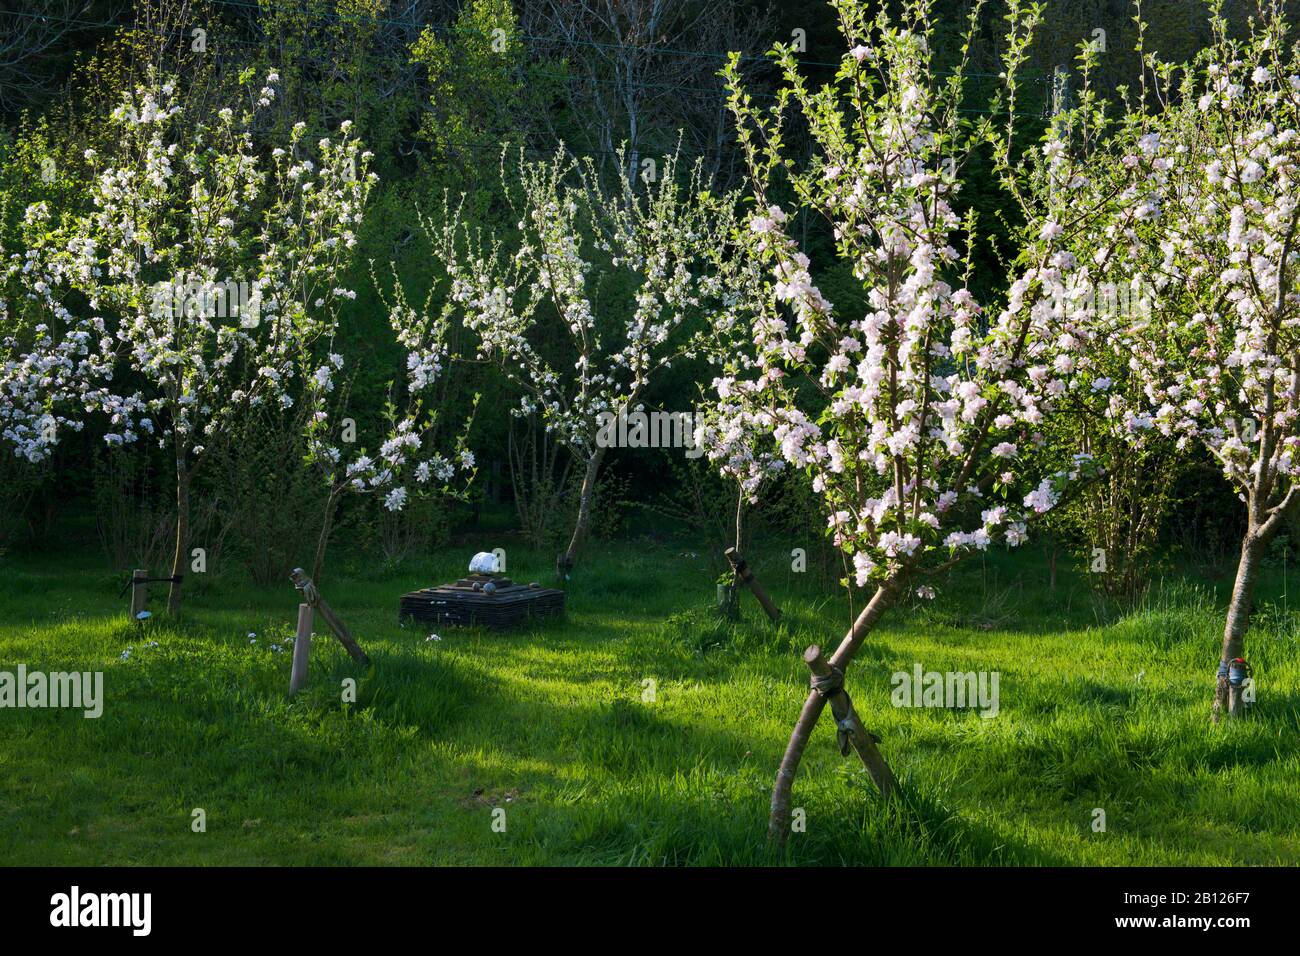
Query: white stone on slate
{"points": [[485, 562]]}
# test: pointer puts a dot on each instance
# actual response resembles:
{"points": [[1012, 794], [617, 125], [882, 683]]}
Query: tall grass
{"points": [[642, 729]]}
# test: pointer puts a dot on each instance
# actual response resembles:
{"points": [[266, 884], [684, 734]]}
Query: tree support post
{"points": [[745, 576], [139, 592], [319, 604], [828, 683], [778, 824], [138, 585], [301, 650]]}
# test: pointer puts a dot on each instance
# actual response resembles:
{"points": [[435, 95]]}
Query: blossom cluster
{"points": [[916, 409], [574, 237], [1215, 178], [184, 201], [409, 460]]}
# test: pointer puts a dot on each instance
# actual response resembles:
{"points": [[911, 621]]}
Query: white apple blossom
{"points": [[1219, 356], [185, 221], [910, 403], [574, 237]]}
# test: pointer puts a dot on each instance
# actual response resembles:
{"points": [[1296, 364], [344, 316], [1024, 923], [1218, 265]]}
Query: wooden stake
{"points": [[139, 592], [778, 825], [301, 649], [846, 718], [746, 577], [318, 603]]}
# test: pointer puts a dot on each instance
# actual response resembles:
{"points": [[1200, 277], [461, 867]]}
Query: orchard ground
{"points": [[1098, 709]]}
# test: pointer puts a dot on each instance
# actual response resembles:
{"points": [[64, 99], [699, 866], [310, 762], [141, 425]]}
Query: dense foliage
{"points": [[904, 286]]}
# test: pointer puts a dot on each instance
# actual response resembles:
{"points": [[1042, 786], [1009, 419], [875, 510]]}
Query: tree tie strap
{"points": [[844, 728], [1235, 671], [309, 592], [829, 685]]}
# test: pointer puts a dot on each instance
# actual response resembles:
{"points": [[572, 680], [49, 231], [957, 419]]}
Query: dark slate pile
{"points": [[490, 600]]}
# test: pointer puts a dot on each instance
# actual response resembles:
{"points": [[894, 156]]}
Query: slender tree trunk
{"points": [[740, 514], [1234, 629], [584, 508], [182, 529], [740, 517], [327, 525], [778, 825]]}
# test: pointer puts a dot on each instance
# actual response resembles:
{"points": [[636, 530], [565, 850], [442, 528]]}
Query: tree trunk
{"points": [[182, 530], [322, 542], [584, 510], [1234, 629], [778, 825], [740, 512]]}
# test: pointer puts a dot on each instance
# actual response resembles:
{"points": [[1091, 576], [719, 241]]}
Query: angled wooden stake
{"points": [[850, 729], [746, 577], [318, 603], [778, 825]]}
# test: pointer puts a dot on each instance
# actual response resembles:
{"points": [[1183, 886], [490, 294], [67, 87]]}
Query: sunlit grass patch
{"points": [[642, 729]]}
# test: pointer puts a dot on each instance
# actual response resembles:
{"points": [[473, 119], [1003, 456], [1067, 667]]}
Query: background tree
{"points": [[188, 293], [1214, 186], [35, 40], [612, 276], [913, 417], [409, 461], [643, 74]]}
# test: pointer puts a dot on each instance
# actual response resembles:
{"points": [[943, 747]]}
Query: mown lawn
{"points": [[1097, 710]]}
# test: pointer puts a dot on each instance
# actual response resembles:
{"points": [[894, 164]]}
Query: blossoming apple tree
{"points": [[415, 456], [187, 291], [733, 435], [593, 301], [913, 409], [1216, 175]]}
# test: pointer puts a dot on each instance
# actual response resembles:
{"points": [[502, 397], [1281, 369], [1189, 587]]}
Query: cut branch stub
{"points": [[746, 577], [829, 683], [313, 597]]}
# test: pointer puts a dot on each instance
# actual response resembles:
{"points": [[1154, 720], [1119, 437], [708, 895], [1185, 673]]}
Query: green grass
{"points": [[1098, 709]]}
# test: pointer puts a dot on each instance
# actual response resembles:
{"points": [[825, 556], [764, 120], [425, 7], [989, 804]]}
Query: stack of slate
{"points": [[488, 600]]}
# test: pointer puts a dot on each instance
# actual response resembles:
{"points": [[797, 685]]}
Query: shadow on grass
{"points": [[840, 826]]}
